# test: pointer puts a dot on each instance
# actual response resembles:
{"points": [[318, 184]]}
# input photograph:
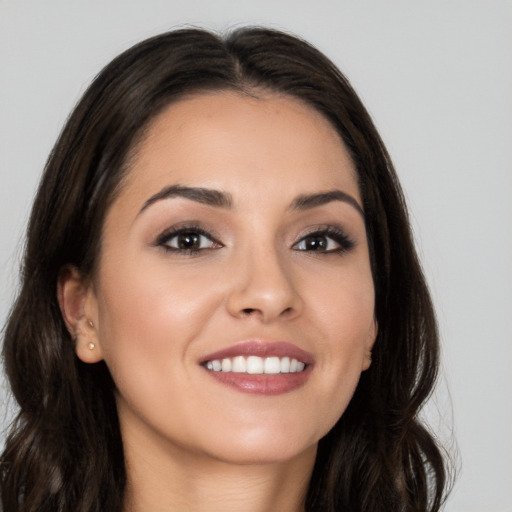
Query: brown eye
{"points": [[330, 240], [315, 243], [187, 240]]}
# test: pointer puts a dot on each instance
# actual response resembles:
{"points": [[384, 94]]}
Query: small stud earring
{"points": [[90, 323], [91, 345]]}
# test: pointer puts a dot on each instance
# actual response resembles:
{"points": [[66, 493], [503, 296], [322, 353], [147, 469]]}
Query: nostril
{"points": [[250, 311]]}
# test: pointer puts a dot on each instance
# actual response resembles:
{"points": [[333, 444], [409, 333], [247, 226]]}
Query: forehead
{"points": [[242, 144]]}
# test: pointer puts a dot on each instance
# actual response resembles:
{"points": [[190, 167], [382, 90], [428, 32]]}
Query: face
{"points": [[236, 246]]}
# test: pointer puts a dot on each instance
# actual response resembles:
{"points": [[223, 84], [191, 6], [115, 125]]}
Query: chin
{"points": [[263, 446]]}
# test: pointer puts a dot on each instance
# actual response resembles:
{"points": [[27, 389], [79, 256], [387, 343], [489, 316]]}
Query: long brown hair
{"points": [[64, 451]]}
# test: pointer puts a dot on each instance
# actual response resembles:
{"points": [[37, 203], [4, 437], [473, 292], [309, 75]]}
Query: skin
{"points": [[193, 443]]}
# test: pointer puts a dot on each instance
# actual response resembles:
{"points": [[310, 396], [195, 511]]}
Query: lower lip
{"points": [[263, 384]]}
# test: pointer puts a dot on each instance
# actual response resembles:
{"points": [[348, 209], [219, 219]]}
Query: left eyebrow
{"points": [[201, 195], [308, 201]]}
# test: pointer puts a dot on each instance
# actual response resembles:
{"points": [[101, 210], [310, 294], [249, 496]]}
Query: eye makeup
{"points": [[187, 240], [191, 239], [327, 240]]}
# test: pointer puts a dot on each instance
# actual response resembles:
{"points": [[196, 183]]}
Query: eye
{"points": [[187, 240], [327, 240]]}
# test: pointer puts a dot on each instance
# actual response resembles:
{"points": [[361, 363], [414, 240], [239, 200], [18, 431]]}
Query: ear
{"points": [[78, 305], [372, 336]]}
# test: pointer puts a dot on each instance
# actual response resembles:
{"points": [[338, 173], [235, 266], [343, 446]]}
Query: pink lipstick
{"points": [[259, 367]]}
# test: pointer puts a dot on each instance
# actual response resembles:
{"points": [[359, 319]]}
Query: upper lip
{"points": [[262, 349]]}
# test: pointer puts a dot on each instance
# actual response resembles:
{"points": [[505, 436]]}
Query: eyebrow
{"points": [[308, 201], [221, 199], [205, 196]]}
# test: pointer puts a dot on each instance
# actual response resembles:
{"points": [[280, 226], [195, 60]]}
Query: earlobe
{"points": [[87, 346], [77, 303]]}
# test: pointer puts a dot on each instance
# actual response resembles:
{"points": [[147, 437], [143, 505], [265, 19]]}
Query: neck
{"points": [[176, 480]]}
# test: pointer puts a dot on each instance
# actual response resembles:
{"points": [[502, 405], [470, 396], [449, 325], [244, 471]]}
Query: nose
{"points": [[263, 286]]}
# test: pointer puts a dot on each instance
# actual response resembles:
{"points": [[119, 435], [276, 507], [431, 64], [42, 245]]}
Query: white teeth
{"points": [[256, 365], [226, 365], [238, 365], [272, 365]]}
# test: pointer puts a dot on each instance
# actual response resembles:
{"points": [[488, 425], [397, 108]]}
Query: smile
{"points": [[256, 365], [260, 367]]}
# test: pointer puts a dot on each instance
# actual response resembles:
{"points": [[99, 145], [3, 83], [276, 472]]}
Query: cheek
{"points": [[149, 316], [344, 306], [344, 316]]}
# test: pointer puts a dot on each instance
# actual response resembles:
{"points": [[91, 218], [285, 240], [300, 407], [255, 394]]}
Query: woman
{"points": [[221, 306]]}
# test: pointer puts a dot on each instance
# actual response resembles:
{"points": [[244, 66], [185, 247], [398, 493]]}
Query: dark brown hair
{"points": [[64, 452]]}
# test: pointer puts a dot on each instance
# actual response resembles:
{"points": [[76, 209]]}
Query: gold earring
{"points": [[91, 345]]}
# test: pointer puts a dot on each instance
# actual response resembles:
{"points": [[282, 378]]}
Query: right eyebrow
{"points": [[207, 196], [308, 201]]}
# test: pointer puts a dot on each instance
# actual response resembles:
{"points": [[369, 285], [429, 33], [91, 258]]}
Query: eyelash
{"points": [[344, 242]]}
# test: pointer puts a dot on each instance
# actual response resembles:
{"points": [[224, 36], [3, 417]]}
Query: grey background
{"points": [[436, 76]]}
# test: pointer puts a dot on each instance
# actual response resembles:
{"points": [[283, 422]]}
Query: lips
{"points": [[259, 367]]}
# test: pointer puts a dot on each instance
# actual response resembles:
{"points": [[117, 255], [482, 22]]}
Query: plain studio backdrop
{"points": [[437, 78]]}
